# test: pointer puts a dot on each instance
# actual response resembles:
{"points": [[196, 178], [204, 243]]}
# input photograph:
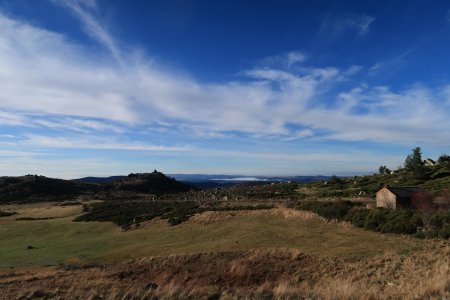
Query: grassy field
{"points": [[260, 254], [58, 240]]}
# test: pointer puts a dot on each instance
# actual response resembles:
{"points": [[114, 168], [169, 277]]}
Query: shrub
{"points": [[126, 214], [383, 220], [329, 210], [357, 216], [424, 204], [416, 220], [375, 219], [6, 213], [431, 233], [444, 232], [440, 219], [420, 234], [241, 207], [399, 222]]}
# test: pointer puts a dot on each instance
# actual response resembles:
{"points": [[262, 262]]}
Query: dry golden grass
{"points": [[39, 210], [210, 217], [279, 254], [60, 240], [272, 273]]}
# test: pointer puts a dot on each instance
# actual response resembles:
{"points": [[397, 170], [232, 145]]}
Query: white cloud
{"points": [[48, 80], [85, 10], [61, 167], [96, 143], [12, 119], [388, 67], [446, 93]]}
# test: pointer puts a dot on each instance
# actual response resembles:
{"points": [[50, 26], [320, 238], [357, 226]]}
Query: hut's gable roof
{"points": [[404, 191]]}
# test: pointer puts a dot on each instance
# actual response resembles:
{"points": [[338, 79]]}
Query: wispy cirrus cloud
{"points": [[95, 143], [334, 26], [287, 60], [87, 12], [44, 73], [390, 66]]}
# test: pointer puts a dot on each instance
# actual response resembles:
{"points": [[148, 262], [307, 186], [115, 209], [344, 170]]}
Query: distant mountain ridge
{"points": [[92, 179], [32, 188], [205, 181], [241, 178], [35, 186], [152, 183], [202, 178]]}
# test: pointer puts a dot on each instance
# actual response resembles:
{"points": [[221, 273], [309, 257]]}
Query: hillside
{"points": [[37, 188], [150, 183], [436, 180], [33, 188], [277, 253], [91, 179]]}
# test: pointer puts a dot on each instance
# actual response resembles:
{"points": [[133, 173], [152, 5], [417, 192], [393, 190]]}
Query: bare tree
{"points": [[424, 203], [445, 199]]}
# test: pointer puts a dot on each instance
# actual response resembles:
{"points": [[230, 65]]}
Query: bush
{"points": [[329, 210], [383, 220], [6, 213], [420, 234], [357, 216], [416, 220], [440, 219], [431, 233], [375, 219], [126, 214], [399, 222], [444, 232], [241, 207]]}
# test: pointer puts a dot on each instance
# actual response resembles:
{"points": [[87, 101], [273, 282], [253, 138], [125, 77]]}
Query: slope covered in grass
{"points": [[278, 253], [436, 180], [58, 240]]}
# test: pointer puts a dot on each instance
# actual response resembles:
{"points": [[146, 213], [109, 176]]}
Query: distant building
{"points": [[396, 197], [429, 162]]}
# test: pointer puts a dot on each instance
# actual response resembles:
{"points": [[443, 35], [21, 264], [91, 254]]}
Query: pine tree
{"points": [[414, 163]]}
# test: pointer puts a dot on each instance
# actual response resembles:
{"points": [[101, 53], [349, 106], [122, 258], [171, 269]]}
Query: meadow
{"points": [[280, 252], [58, 239]]}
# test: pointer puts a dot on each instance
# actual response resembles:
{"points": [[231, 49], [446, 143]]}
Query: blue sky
{"points": [[235, 87]]}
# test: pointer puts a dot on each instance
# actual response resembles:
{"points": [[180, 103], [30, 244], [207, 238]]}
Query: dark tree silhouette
{"points": [[414, 163]]}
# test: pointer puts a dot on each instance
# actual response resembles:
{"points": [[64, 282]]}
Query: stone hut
{"points": [[394, 197], [429, 162]]}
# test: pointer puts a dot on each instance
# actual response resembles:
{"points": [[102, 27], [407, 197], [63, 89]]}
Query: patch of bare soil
{"points": [[267, 274]]}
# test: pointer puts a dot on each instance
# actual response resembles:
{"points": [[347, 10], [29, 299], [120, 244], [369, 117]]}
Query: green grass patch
{"points": [[126, 214], [61, 240]]}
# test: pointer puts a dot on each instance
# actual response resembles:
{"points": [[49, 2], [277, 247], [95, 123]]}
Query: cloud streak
{"points": [[85, 11], [44, 73], [96, 143], [336, 26]]}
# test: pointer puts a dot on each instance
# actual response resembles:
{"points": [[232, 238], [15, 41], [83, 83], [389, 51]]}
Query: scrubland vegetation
{"points": [[384, 220], [127, 214], [277, 253], [6, 214], [148, 236]]}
